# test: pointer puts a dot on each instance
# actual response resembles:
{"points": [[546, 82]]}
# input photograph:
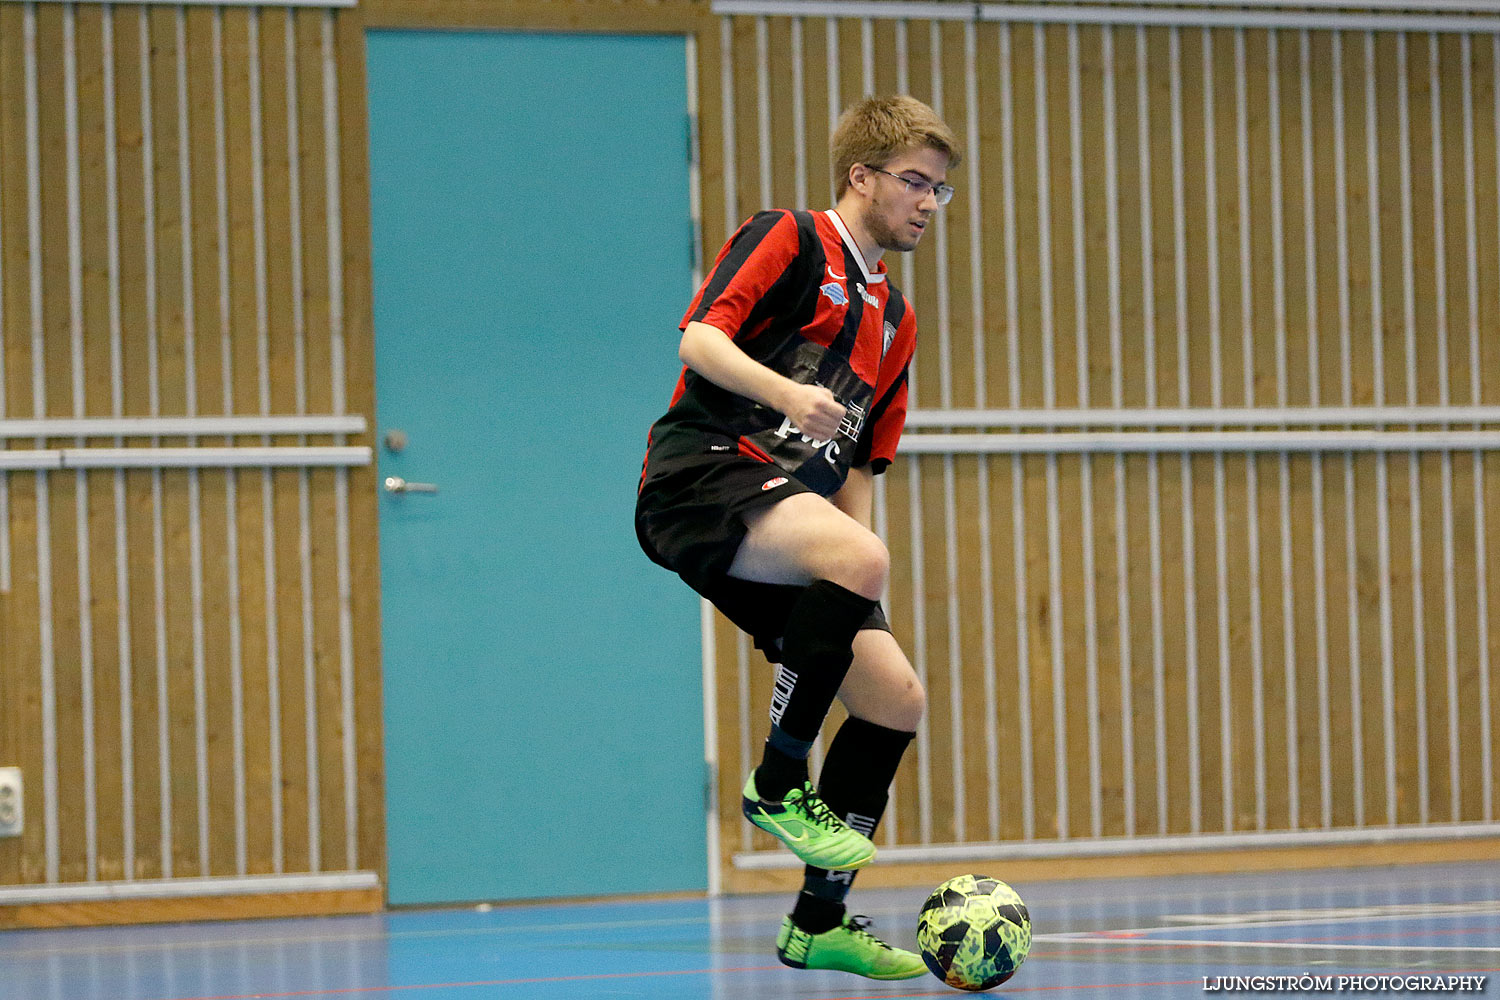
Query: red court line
{"points": [[349, 990]]}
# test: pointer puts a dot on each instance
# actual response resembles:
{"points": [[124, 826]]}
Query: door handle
{"points": [[395, 484]]}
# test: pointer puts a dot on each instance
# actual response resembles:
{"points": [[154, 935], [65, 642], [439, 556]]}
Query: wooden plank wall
{"points": [[184, 231], [1268, 243]]}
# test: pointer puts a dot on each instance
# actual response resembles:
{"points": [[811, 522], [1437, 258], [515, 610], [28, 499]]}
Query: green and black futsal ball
{"points": [[974, 932]]}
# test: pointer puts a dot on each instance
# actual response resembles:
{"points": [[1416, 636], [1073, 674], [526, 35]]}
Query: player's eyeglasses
{"points": [[919, 186]]}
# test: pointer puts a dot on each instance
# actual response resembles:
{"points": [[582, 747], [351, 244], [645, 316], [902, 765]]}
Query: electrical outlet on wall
{"points": [[10, 802]]}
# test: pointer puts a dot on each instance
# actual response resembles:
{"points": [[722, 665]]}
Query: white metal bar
{"points": [[1153, 472], [1117, 399], [1173, 16], [179, 888], [332, 159], [726, 93], [1177, 844], [918, 10], [1382, 487], [231, 484], [221, 3], [1204, 416], [1049, 394], [1085, 463], [882, 529], [1265, 20], [799, 116], [202, 457], [709, 655], [731, 217], [1440, 275], [1314, 374], [190, 379], [1413, 482], [1252, 476], [87, 427], [742, 681], [831, 66], [982, 471], [80, 488], [763, 110], [1356, 734], [908, 266], [153, 380], [1278, 319], [956, 685], [1481, 532], [46, 651], [5, 576], [1192, 442], [695, 155], [1216, 387], [1017, 470], [117, 403], [916, 535], [1184, 385], [837, 8], [867, 56]]}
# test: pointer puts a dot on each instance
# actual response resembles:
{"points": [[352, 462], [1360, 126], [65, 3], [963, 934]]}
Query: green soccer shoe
{"points": [[804, 823], [850, 947]]}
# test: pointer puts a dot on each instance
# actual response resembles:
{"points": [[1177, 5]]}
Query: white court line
{"points": [[1366, 915], [1284, 945]]}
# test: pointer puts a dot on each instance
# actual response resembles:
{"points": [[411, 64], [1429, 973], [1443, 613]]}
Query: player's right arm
{"points": [[710, 352]]}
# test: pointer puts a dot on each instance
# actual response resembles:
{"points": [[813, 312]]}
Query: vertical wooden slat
{"points": [[208, 371], [136, 305], [171, 316], [59, 555], [21, 856], [93, 177], [357, 333]]}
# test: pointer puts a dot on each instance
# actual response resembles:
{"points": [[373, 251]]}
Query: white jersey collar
{"points": [[859, 256]]}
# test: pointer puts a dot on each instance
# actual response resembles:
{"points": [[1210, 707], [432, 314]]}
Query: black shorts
{"points": [[690, 519]]}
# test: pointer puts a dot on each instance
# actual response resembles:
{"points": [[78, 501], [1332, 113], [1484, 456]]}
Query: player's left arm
{"points": [[857, 496]]}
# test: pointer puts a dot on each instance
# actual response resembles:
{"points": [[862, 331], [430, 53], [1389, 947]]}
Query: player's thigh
{"points": [[881, 686], [805, 538]]}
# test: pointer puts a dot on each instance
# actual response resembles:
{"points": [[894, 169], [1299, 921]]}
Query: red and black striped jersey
{"points": [[794, 292]]}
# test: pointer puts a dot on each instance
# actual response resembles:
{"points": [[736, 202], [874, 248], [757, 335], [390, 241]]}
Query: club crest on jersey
{"points": [[835, 293], [890, 335], [771, 484]]}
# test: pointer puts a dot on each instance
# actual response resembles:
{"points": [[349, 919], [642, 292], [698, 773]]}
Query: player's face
{"points": [[896, 216]]}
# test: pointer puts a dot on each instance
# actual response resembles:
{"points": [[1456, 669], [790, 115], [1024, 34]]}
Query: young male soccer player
{"points": [[757, 490]]}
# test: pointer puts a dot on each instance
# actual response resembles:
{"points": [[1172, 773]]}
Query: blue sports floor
{"points": [[1136, 939]]}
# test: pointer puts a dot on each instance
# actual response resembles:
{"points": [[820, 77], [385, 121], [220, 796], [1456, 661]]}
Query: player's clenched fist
{"points": [[813, 410]]}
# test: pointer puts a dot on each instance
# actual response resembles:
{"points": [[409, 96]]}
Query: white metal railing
{"points": [[1211, 442], [1190, 523], [1318, 15], [171, 138], [1228, 416], [246, 457], [1115, 846], [57, 427]]}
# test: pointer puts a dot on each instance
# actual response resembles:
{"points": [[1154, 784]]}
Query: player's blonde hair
{"points": [[878, 129]]}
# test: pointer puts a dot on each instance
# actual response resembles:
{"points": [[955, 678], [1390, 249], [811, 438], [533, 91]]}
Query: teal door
{"points": [[543, 680]]}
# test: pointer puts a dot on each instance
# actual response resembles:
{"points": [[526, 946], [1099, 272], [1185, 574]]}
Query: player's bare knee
{"points": [[866, 564], [910, 704]]}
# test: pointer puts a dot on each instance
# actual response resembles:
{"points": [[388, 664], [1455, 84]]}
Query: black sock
{"points": [[779, 773], [816, 651], [816, 915], [856, 781]]}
